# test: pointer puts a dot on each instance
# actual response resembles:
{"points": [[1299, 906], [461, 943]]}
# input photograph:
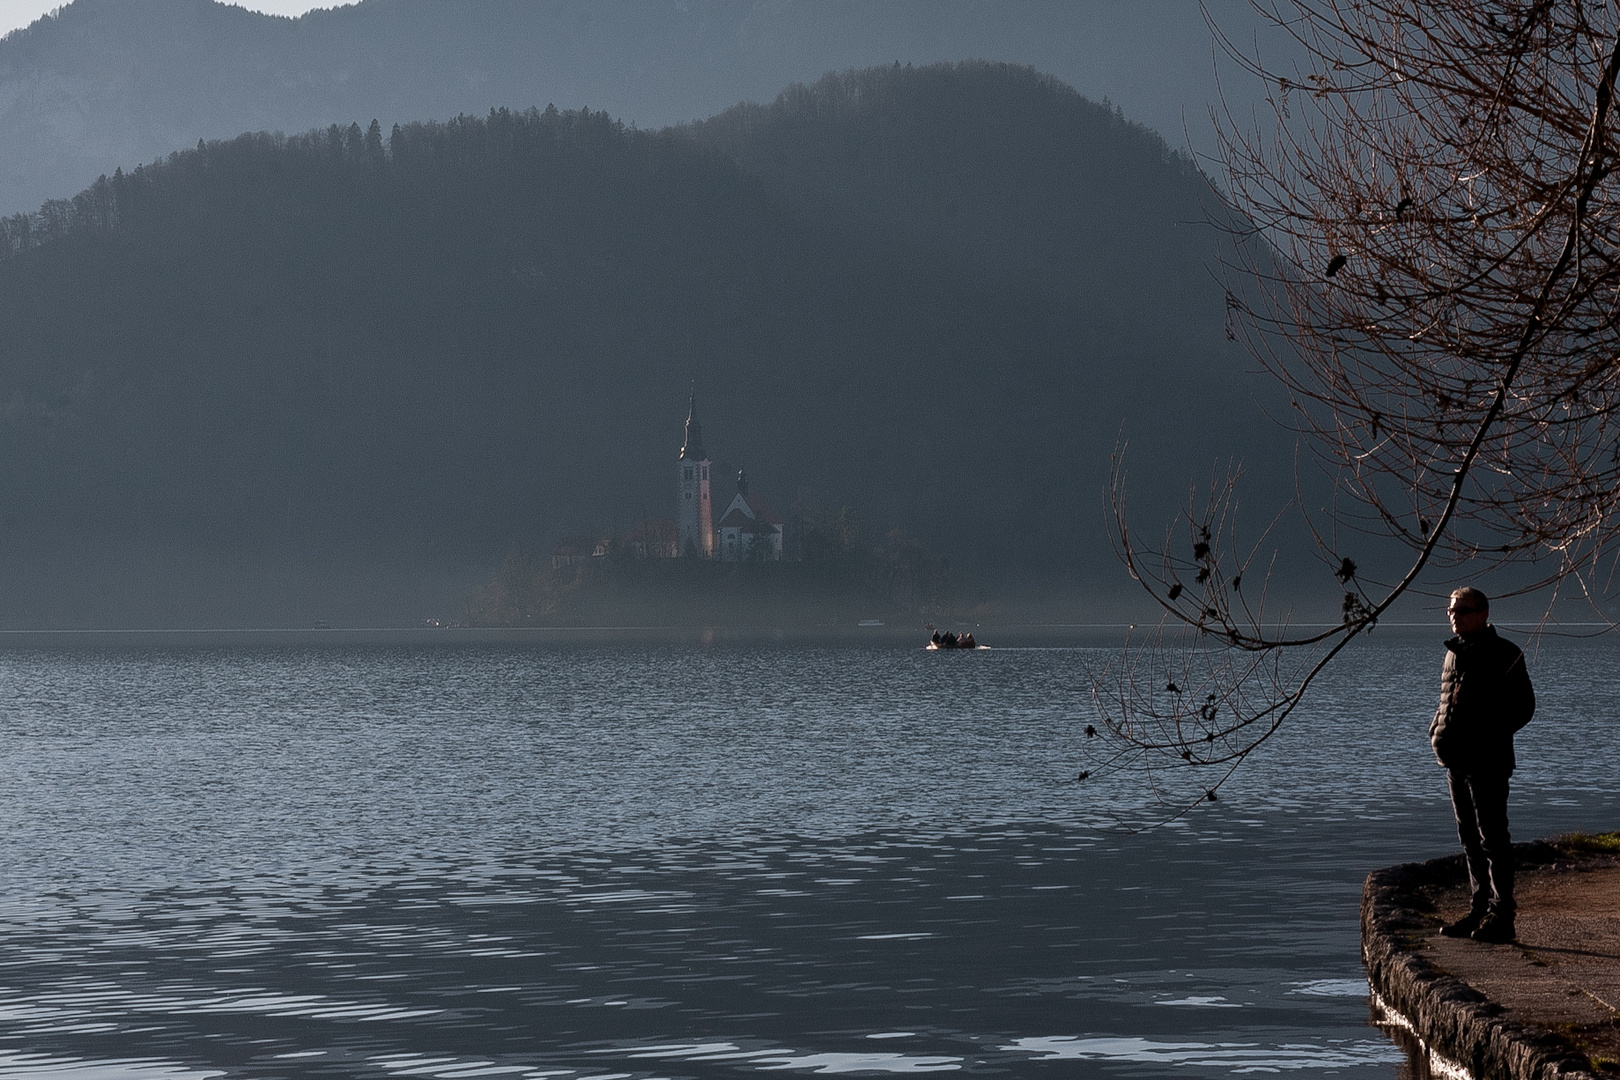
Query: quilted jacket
{"points": [[1485, 696]]}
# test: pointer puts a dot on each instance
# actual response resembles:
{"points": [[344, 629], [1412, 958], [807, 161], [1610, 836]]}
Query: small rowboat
{"points": [[950, 642]]}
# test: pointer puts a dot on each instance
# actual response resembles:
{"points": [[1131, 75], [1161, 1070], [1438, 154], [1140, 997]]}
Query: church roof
{"points": [[737, 517], [762, 511]]}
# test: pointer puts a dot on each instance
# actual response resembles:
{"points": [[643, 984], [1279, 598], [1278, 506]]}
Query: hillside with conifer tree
{"points": [[355, 368]]}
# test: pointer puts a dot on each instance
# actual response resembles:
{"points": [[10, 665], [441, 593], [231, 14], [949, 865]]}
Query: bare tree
{"points": [[1433, 272]]}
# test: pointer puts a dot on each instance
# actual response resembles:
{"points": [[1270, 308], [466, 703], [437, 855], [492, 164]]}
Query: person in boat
{"points": [[966, 641], [949, 640], [935, 639]]}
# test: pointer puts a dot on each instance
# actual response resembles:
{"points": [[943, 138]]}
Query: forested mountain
{"points": [[102, 83], [272, 368]]}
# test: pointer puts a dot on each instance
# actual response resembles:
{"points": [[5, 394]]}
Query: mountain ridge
{"points": [[103, 83], [333, 352]]}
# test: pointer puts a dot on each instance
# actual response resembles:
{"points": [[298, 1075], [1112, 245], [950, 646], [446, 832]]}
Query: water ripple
{"points": [[615, 862], [1232, 1057], [45, 1067]]}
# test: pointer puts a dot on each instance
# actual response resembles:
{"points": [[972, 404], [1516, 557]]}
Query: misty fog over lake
{"points": [[338, 375]]}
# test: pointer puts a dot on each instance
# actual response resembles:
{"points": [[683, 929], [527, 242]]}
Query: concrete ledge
{"points": [[1538, 1021]]}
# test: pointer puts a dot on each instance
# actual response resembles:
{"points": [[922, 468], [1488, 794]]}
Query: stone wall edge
{"points": [[1449, 1016]]}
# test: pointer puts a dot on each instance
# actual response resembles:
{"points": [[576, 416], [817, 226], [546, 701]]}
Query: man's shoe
{"points": [[1495, 929], [1465, 926]]}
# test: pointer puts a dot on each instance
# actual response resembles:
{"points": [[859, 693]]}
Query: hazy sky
{"points": [[1153, 58], [17, 13]]}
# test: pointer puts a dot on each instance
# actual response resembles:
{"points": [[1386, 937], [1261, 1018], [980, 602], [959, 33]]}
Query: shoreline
{"points": [[1542, 1008], [997, 633]]}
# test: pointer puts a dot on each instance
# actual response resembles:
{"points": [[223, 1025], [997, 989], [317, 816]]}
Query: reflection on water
{"points": [[42, 1066], [682, 862], [1235, 1057]]}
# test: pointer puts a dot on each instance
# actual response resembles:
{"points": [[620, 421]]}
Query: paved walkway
{"points": [[1563, 973]]}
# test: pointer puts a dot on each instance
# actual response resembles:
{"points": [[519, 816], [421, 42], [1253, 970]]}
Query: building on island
{"points": [[694, 514], [578, 551], [651, 539], [749, 529]]}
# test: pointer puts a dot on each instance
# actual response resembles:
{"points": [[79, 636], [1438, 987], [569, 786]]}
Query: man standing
{"points": [[1485, 697]]}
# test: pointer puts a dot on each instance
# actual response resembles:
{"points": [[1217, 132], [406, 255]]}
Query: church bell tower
{"points": [[694, 513]]}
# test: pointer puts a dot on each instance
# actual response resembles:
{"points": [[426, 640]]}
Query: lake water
{"points": [[627, 861]]}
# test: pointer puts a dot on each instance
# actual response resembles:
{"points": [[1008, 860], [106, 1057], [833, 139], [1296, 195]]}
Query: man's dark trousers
{"points": [[1480, 802]]}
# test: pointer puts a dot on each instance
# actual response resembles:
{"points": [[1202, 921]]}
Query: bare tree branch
{"points": [[1430, 265]]}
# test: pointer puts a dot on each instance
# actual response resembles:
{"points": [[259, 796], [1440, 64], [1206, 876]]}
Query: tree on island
{"points": [[1433, 272], [833, 574]]}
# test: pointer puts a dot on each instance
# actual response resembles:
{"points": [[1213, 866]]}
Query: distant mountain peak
{"points": [[109, 83]]}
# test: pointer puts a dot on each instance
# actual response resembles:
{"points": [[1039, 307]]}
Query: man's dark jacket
{"points": [[1485, 697]]}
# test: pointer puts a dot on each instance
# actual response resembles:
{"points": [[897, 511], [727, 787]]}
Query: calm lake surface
{"points": [[606, 861]]}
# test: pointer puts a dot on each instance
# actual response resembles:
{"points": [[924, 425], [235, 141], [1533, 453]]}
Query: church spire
{"points": [[692, 449], [694, 514]]}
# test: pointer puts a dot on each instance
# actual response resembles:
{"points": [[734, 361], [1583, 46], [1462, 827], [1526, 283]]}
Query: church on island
{"points": [[748, 529]]}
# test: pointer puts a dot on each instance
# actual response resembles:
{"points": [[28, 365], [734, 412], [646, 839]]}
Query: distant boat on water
{"points": [[951, 641]]}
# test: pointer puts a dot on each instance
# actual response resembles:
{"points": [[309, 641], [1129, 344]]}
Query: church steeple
{"points": [[692, 449], [694, 513]]}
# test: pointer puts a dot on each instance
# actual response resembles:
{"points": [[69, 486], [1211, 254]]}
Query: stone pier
{"points": [[1543, 1008]]}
